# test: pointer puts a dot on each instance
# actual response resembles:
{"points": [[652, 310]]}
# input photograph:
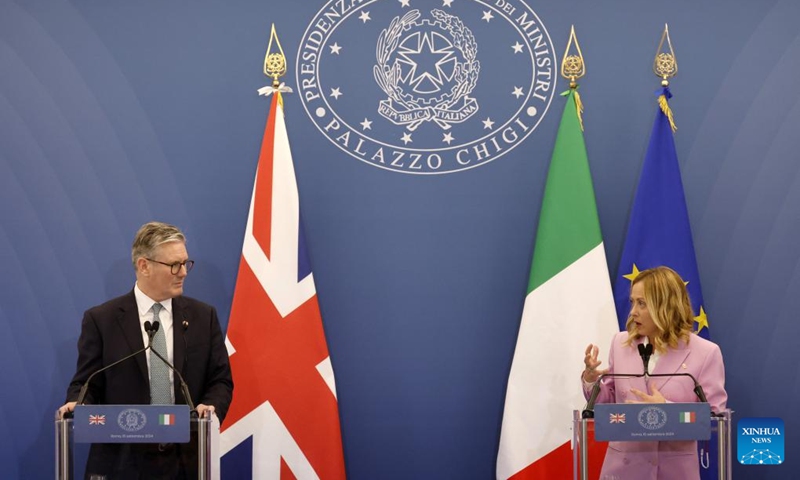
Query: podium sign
{"points": [[131, 424], [632, 422]]}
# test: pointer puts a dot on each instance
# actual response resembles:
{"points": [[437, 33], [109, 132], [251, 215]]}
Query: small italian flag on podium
{"points": [[687, 417], [166, 419]]}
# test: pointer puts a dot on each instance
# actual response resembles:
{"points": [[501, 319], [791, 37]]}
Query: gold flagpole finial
{"points": [[665, 64], [572, 65], [573, 68], [275, 60]]}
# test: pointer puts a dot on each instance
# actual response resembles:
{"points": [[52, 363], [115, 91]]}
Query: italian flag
{"points": [[568, 306], [687, 417], [166, 419]]}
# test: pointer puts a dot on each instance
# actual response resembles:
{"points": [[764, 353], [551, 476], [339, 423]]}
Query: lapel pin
{"points": [[684, 366]]}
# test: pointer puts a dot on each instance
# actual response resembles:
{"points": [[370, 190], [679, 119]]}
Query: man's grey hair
{"points": [[150, 236]]}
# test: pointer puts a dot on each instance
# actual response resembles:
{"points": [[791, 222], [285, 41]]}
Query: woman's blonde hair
{"points": [[669, 306]]}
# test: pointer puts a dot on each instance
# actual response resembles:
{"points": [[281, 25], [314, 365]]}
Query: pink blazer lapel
{"points": [[670, 362]]}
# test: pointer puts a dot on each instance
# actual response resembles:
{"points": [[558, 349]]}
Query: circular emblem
{"points": [[652, 418], [426, 91], [131, 420]]}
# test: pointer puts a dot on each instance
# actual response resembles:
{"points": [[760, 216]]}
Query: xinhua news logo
{"points": [[760, 441]]}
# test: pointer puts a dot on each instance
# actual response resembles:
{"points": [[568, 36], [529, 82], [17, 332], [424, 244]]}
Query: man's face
{"points": [[156, 280]]}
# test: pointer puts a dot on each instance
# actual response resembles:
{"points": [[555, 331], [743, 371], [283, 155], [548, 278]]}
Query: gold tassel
{"points": [[579, 107], [662, 102]]}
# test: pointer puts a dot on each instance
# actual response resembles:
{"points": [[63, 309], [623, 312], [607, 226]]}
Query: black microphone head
{"points": [[648, 350], [147, 326], [642, 349], [156, 326]]}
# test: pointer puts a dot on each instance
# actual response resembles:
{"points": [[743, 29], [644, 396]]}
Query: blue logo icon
{"points": [[760, 441]]}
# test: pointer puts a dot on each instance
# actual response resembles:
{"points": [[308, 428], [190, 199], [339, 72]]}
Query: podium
{"points": [[650, 422], [154, 424]]}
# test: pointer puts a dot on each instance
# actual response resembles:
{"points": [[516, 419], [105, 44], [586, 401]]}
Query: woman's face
{"points": [[640, 314]]}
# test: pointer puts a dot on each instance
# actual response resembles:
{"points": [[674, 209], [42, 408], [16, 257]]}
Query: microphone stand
{"points": [[588, 411], [644, 352], [151, 331], [184, 387]]}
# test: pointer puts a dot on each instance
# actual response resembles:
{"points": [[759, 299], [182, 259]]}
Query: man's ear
{"points": [[142, 266]]}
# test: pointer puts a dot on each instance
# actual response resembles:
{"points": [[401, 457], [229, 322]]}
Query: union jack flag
{"points": [[285, 397], [97, 419], [617, 418]]}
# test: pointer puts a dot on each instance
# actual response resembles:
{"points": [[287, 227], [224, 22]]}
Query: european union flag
{"points": [[658, 229], [659, 234]]}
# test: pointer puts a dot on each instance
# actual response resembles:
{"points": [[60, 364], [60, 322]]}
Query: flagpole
{"points": [[573, 67]]}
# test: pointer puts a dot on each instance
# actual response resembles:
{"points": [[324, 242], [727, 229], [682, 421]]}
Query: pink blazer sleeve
{"points": [[712, 378]]}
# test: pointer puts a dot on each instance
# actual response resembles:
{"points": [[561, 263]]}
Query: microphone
{"points": [[151, 331], [645, 352], [184, 387], [588, 410], [698, 389]]}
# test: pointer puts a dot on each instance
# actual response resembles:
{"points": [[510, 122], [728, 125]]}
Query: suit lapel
{"points": [[179, 315], [670, 362], [128, 321]]}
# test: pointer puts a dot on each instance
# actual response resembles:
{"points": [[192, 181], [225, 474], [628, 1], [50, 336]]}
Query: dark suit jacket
{"points": [[111, 331]]}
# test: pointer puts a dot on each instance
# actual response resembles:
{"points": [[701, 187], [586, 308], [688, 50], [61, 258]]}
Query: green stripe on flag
{"points": [[568, 224]]}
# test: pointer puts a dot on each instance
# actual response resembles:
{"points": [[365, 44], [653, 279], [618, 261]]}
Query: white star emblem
{"points": [[448, 138], [406, 138], [404, 3], [335, 49], [366, 125], [336, 93], [364, 16], [488, 123], [517, 47], [517, 92], [447, 3], [487, 15]]}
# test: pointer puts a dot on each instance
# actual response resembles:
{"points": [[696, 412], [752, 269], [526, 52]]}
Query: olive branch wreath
{"points": [[466, 75]]}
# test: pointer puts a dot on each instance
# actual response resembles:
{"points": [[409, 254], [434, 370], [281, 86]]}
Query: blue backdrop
{"points": [[114, 113]]}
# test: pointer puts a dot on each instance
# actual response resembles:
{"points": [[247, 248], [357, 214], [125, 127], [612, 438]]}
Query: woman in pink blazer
{"points": [[661, 314]]}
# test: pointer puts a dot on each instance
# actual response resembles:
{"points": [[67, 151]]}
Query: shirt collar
{"points": [[145, 303]]}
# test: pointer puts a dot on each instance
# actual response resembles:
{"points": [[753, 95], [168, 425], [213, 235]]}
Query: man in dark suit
{"points": [[194, 345]]}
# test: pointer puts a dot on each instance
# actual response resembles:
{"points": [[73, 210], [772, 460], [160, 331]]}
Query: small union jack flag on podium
{"points": [[97, 419], [617, 418]]}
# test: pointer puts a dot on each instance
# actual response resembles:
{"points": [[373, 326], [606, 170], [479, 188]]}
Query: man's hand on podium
{"points": [[66, 408], [204, 411]]}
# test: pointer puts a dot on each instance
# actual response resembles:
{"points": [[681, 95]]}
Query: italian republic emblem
{"points": [[440, 95], [425, 87]]}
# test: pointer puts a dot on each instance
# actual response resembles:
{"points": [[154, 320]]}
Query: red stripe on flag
{"points": [[286, 473], [557, 464], [262, 209]]}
